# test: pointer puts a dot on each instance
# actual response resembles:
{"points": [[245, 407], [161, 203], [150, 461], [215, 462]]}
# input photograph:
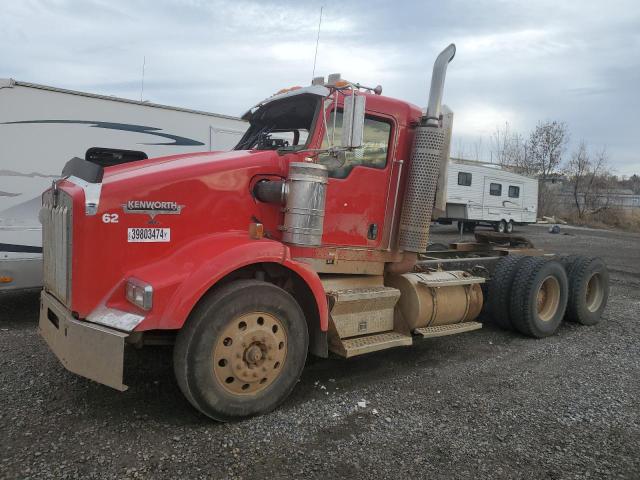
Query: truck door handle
{"points": [[372, 233]]}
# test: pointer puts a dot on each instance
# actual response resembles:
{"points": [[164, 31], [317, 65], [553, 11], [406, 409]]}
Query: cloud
{"points": [[517, 61]]}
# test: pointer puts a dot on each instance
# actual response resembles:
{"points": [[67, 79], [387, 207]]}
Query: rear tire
{"points": [[539, 297], [499, 290], [241, 351], [588, 290]]}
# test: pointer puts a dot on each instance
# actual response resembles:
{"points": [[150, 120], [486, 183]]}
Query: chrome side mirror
{"points": [[353, 121]]}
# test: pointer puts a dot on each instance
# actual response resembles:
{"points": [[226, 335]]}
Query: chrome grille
{"points": [[57, 220]]}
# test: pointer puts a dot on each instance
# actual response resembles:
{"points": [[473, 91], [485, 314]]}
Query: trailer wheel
{"points": [[500, 226], [588, 290], [539, 297], [509, 227], [241, 351], [499, 290]]}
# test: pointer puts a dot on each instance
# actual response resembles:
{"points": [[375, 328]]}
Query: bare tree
{"points": [[547, 143], [591, 181], [509, 148]]}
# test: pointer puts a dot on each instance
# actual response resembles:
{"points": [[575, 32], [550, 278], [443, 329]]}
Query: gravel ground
{"points": [[488, 404]]}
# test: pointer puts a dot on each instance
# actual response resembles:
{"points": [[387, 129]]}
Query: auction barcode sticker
{"points": [[148, 235]]}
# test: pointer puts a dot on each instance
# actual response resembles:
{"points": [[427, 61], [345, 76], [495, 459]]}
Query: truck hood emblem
{"points": [[152, 208]]}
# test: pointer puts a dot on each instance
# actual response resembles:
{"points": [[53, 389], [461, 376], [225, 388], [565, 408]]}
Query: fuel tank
{"points": [[437, 298]]}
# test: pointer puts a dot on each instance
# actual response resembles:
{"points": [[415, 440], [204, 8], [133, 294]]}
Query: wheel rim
{"points": [[250, 353], [548, 298], [501, 227], [594, 293], [509, 227]]}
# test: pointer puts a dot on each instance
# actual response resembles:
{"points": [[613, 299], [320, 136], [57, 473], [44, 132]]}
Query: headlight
{"points": [[139, 293]]}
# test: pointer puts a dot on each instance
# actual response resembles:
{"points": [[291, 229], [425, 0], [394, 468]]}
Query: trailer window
{"points": [[373, 153], [514, 192], [464, 179], [495, 189]]}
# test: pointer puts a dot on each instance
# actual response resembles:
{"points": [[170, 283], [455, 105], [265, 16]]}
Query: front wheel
{"points": [[241, 351]]}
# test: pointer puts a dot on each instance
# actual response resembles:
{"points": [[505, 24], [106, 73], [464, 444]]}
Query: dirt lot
{"points": [[488, 404]]}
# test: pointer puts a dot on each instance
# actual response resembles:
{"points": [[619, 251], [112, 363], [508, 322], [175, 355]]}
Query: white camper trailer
{"points": [[485, 194], [42, 127]]}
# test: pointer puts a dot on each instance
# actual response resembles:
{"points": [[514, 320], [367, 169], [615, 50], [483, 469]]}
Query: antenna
{"points": [[315, 57], [144, 63]]}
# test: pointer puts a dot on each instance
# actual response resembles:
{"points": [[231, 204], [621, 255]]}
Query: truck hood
{"points": [[192, 164]]}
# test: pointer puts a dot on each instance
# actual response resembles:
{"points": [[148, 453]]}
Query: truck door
{"points": [[358, 186]]}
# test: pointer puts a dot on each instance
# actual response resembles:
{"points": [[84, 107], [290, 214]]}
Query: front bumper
{"points": [[86, 349]]}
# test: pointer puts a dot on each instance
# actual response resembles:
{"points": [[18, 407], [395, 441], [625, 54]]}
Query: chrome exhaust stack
{"points": [[428, 167], [437, 85]]}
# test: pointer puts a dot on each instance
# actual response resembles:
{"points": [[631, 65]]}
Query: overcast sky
{"points": [[517, 61]]}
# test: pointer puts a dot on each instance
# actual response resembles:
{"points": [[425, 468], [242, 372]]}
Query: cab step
{"points": [[351, 347], [442, 330]]}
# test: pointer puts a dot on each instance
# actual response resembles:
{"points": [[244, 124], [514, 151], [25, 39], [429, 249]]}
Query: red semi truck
{"points": [[305, 238]]}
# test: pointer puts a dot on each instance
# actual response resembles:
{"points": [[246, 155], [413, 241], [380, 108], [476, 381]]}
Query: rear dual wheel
{"points": [[241, 351], [539, 297], [499, 288], [588, 289]]}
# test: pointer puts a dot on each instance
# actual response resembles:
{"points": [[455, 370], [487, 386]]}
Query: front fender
{"points": [[180, 280]]}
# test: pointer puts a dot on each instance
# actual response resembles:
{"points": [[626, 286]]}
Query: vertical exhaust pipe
{"points": [[429, 157], [437, 85]]}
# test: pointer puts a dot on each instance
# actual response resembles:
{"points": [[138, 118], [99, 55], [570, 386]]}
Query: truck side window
{"points": [[373, 153], [514, 192], [495, 189], [464, 179]]}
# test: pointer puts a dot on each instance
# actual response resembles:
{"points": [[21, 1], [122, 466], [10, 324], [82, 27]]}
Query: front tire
{"points": [[241, 351], [500, 226]]}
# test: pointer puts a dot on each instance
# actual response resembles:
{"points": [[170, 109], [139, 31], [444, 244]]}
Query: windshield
{"points": [[281, 124]]}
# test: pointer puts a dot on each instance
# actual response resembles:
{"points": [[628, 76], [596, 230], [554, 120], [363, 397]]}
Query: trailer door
{"points": [[513, 203], [493, 197]]}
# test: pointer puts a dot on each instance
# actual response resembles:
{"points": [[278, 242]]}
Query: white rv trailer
{"points": [[479, 193], [42, 127]]}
